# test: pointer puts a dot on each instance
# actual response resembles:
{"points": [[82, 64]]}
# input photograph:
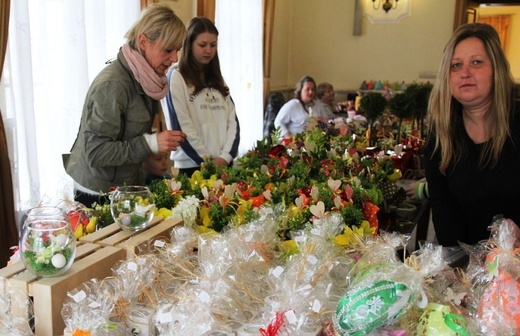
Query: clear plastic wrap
{"points": [[382, 289], [16, 310], [499, 305], [445, 314], [88, 308]]}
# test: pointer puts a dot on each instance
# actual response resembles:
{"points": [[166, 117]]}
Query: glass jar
{"points": [[132, 207], [43, 212], [47, 246]]}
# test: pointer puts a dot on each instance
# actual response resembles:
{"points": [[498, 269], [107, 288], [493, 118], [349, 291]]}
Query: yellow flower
{"points": [[240, 216], [163, 212], [204, 217], [292, 211], [211, 180], [204, 229], [287, 245], [365, 229], [350, 236], [395, 176], [196, 179]]}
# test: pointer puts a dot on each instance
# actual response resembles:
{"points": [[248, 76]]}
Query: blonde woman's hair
{"points": [[445, 112], [159, 23]]}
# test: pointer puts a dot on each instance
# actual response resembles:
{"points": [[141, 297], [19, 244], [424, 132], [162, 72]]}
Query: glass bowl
{"points": [[132, 207], [47, 246]]}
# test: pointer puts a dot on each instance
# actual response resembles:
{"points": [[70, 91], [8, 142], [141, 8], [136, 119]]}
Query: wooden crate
{"points": [[48, 294], [134, 242]]}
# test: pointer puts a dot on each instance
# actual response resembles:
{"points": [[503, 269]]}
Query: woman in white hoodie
{"points": [[199, 103]]}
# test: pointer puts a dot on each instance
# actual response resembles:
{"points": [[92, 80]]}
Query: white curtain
{"points": [[240, 52], [56, 48]]}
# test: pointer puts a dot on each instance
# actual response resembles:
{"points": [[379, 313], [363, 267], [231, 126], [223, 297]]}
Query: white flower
{"points": [[187, 210]]}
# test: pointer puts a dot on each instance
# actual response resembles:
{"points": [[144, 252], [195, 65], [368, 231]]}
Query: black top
{"points": [[465, 201]]}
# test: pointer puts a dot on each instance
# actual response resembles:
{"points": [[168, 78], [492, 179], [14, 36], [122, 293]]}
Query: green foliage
{"points": [[220, 217], [400, 106], [43, 268], [373, 104], [163, 197], [103, 214], [353, 216], [418, 96]]}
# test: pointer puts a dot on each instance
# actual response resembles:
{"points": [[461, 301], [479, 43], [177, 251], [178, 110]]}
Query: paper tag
{"points": [[132, 266], [312, 260], [204, 297], [316, 306], [158, 243], [79, 296], [94, 305], [165, 318], [278, 271], [291, 316]]}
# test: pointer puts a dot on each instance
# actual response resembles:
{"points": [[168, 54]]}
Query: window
{"points": [[56, 47]]}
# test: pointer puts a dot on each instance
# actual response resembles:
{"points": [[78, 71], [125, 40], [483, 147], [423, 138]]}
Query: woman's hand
{"points": [[220, 162], [170, 140], [410, 189]]}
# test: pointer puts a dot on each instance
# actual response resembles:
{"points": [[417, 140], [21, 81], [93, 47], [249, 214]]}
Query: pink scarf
{"points": [[153, 85]]}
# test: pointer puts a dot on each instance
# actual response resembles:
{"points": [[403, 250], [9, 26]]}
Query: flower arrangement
{"points": [[314, 174]]}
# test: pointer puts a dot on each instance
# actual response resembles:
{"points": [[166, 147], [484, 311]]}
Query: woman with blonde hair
{"points": [[115, 135], [472, 156]]}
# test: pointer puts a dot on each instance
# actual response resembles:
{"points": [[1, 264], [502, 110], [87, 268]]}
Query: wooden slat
{"points": [[160, 231]]}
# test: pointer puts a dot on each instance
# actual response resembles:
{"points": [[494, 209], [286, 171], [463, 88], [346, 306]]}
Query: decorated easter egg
{"points": [[365, 308], [437, 320], [58, 260], [126, 220]]}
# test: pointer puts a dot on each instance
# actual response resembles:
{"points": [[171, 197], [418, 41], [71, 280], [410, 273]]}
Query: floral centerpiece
{"points": [[315, 173]]}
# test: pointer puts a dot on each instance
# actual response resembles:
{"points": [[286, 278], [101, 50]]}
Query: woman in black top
{"points": [[472, 156]]}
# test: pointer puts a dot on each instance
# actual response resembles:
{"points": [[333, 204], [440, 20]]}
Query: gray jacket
{"points": [[110, 146]]}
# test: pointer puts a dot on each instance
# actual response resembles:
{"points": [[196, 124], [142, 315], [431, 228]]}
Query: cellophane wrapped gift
{"points": [[16, 310], [445, 289], [498, 302], [226, 287], [88, 308], [382, 288], [301, 287]]}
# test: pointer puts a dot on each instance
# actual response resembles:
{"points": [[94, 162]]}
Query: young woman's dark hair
{"points": [[195, 74]]}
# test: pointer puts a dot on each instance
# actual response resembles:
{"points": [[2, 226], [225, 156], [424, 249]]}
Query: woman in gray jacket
{"points": [[115, 134]]}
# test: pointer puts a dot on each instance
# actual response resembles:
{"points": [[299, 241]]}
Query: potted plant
{"points": [[418, 96], [373, 104], [399, 105]]}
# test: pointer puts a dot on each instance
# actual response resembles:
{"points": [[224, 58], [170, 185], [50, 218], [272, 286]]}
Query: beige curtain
{"points": [[8, 230], [268, 19], [206, 8], [501, 24]]}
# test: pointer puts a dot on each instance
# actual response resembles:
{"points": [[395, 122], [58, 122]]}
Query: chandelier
{"points": [[387, 4]]}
